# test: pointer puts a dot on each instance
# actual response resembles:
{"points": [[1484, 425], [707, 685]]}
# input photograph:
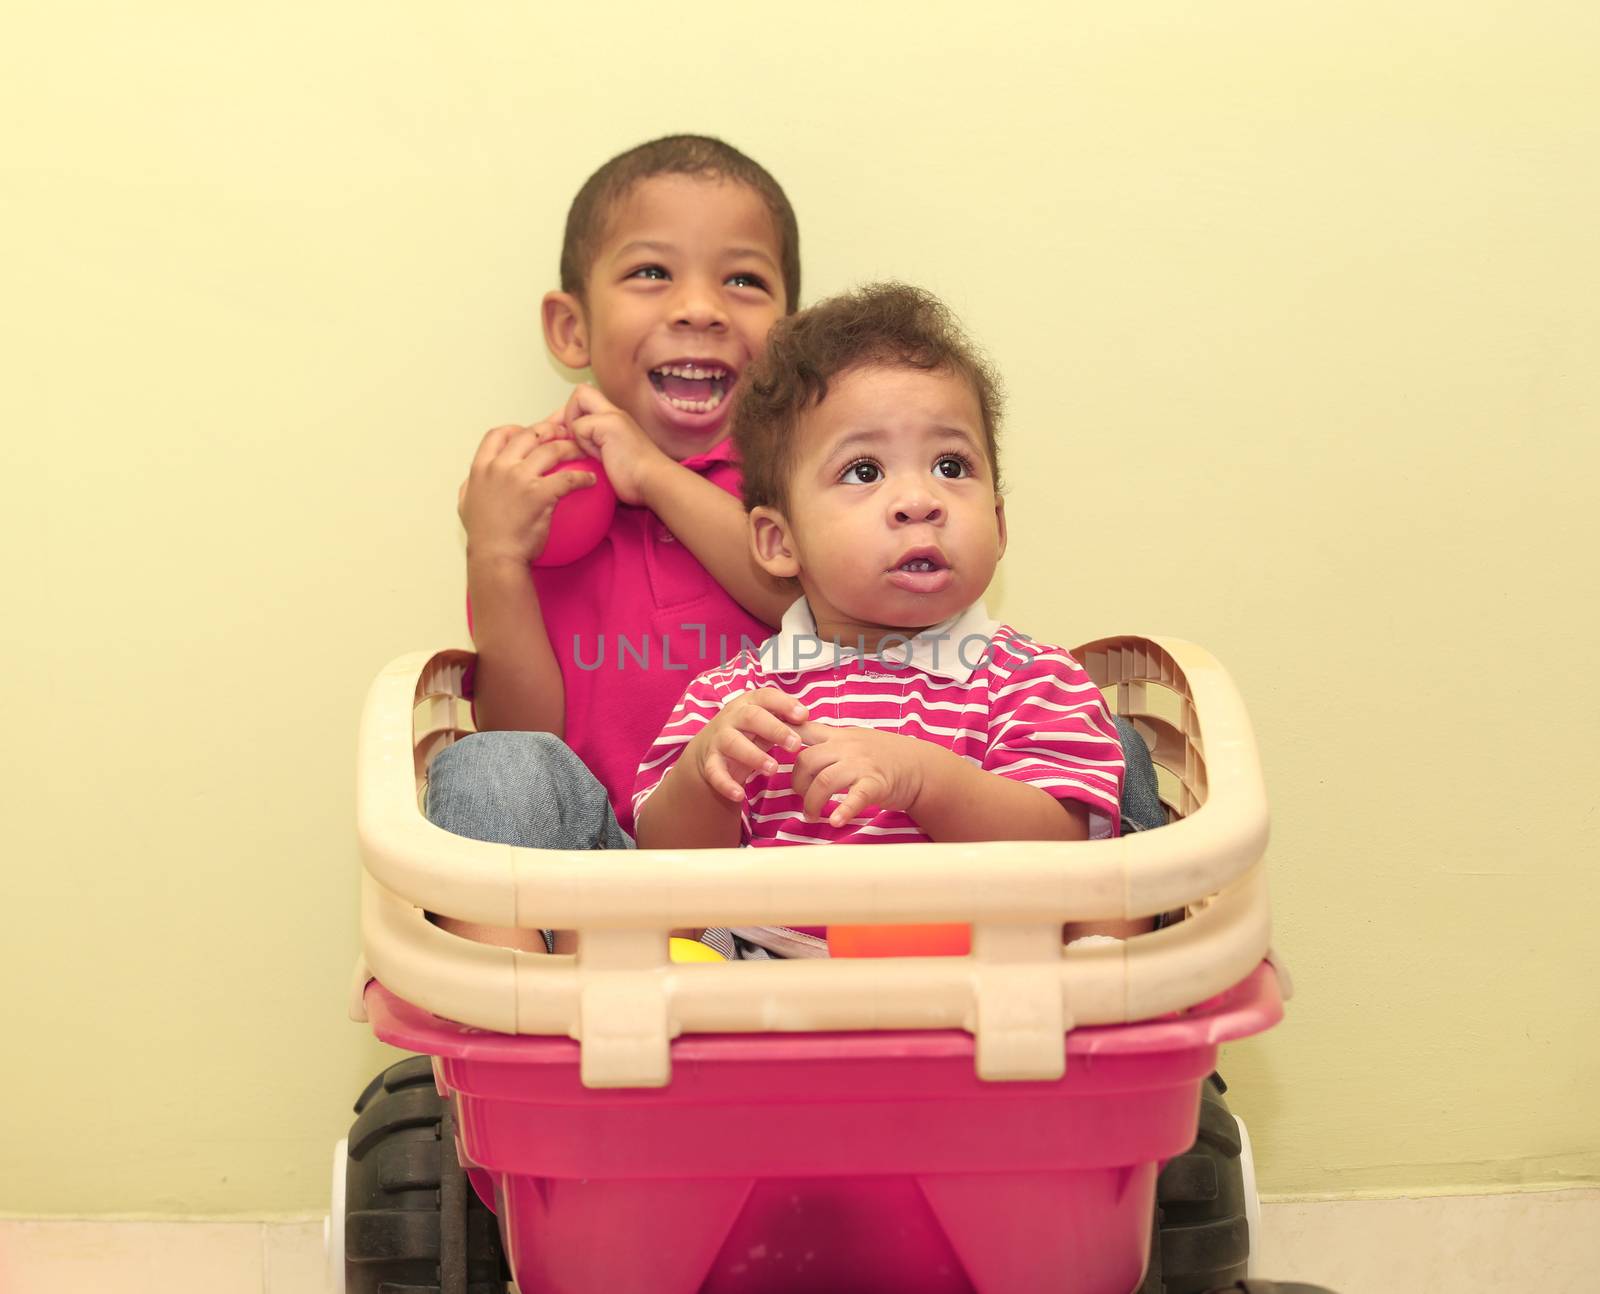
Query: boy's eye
{"points": [[952, 467], [863, 473], [649, 272], [746, 280]]}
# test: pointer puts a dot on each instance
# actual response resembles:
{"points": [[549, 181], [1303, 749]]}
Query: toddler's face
{"points": [[681, 295], [893, 523]]}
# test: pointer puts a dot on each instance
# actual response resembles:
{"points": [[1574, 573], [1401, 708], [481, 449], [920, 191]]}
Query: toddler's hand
{"points": [[862, 765], [733, 747], [507, 500], [609, 434]]}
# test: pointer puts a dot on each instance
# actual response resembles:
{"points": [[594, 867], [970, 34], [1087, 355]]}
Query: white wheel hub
{"points": [[333, 1224], [1252, 1201]]}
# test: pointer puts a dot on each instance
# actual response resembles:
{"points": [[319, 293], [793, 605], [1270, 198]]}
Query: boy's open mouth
{"points": [[694, 387]]}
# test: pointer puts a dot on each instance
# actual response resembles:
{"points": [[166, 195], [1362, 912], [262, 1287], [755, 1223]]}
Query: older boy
{"points": [[679, 255]]}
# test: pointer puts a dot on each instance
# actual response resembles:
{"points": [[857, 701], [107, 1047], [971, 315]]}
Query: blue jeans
{"points": [[1142, 809], [521, 788]]}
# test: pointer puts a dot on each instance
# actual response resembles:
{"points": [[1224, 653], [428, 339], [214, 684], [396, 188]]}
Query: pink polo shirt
{"points": [[631, 624]]}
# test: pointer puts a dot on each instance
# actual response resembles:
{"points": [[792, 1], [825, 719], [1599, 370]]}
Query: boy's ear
{"points": [[772, 542], [1000, 520], [566, 331]]}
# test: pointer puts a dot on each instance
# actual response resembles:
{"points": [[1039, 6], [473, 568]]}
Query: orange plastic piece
{"points": [[900, 941]]}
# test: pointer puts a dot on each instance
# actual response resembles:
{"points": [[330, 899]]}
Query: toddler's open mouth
{"points": [[921, 559], [693, 386], [922, 570]]}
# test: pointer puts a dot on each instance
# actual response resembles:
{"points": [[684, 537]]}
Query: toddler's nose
{"points": [[912, 509]]}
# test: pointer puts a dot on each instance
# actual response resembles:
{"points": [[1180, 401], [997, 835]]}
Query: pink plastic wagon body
{"points": [[838, 1162], [830, 1125]]}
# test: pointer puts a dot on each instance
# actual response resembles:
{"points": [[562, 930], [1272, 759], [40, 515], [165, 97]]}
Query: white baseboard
{"points": [[1542, 1242], [192, 1256]]}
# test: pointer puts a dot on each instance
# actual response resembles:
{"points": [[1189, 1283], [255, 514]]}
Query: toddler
{"points": [[889, 706]]}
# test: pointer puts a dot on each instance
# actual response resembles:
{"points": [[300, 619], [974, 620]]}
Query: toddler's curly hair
{"points": [[890, 325]]}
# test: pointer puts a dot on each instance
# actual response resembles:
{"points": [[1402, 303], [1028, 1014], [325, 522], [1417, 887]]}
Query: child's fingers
{"points": [[720, 780], [544, 458], [825, 783], [494, 440], [863, 794], [779, 703], [590, 432], [742, 753], [557, 486], [518, 444], [585, 399], [807, 764], [759, 722]]}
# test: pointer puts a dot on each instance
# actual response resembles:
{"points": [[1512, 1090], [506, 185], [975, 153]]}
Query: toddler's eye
{"points": [[655, 272], [863, 473], [953, 467], [743, 280]]}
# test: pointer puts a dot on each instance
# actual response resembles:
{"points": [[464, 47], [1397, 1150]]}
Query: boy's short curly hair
{"points": [[890, 325], [696, 155]]}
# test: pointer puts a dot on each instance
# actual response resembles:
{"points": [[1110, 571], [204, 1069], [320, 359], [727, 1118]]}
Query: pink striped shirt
{"points": [[1020, 709]]}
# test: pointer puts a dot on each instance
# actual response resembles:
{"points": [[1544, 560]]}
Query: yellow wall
{"points": [[1298, 309]]}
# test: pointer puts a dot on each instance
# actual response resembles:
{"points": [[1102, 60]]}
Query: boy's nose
{"points": [[698, 308]]}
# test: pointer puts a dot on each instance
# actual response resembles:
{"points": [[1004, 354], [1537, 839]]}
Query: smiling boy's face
{"points": [[683, 289], [891, 522]]}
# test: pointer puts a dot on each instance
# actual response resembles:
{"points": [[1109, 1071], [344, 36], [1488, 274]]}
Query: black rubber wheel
{"points": [[413, 1223], [1201, 1238]]}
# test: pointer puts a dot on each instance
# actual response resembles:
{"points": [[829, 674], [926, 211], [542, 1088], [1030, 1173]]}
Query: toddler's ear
{"points": [[566, 332], [1000, 520], [773, 544]]}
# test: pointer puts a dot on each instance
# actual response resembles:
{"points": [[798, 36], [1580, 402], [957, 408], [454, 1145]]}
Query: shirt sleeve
{"points": [[701, 701], [1049, 727]]}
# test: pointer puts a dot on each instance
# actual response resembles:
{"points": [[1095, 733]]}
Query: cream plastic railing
{"points": [[1018, 992]]}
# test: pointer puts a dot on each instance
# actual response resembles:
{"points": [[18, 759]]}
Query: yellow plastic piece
{"points": [[692, 950], [1018, 991]]}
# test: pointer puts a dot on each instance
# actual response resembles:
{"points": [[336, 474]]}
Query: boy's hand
{"points": [[863, 765], [507, 500], [734, 745], [609, 434]]}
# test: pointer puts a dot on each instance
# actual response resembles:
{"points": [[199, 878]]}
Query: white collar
{"points": [[952, 649]]}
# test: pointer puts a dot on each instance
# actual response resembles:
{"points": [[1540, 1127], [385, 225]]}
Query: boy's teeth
{"points": [[691, 371], [693, 388], [696, 406], [917, 564]]}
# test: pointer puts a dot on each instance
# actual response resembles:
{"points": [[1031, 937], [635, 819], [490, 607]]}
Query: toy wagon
{"points": [[994, 1123]]}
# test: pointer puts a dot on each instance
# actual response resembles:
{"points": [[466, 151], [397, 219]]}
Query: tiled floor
{"points": [[1545, 1243]]}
